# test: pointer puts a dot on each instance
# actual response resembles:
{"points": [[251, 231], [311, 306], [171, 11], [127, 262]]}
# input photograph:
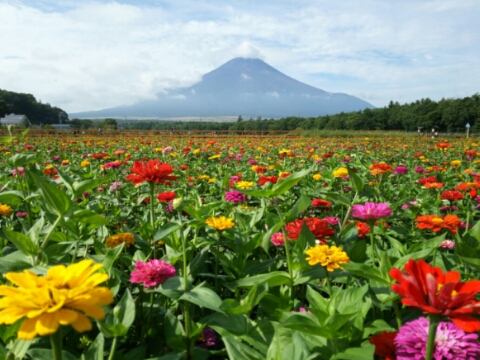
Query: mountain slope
{"points": [[247, 87]]}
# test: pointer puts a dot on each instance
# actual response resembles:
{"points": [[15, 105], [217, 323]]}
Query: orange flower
{"points": [[437, 223], [433, 185], [379, 169]]}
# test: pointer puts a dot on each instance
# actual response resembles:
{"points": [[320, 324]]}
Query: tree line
{"points": [[26, 104]]}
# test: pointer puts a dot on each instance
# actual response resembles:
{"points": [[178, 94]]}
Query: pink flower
{"points": [[371, 211], [277, 239], [235, 197], [152, 272], [400, 170], [447, 244], [332, 220]]}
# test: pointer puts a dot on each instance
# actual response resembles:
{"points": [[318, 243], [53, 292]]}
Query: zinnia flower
{"points": [[380, 168], [235, 197], [450, 342], [277, 239], [244, 184], [319, 228], [321, 204], [371, 211], [363, 229], [437, 223], [220, 223], [384, 344], [151, 273], [123, 238], [329, 257], [166, 196], [451, 195], [400, 170], [340, 172], [65, 296], [5, 210], [206, 339], [427, 288], [152, 171]]}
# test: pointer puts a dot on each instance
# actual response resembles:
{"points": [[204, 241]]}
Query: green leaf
{"points": [[355, 180], [306, 323], [204, 297], [302, 204], [338, 198], [358, 353], [124, 311], [56, 200], [274, 278], [46, 354], [11, 197], [14, 262], [174, 333], [82, 186], [367, 272], [282, 186], [89, 217], [22, 242], [23, 159], [239, 351], [166, 230], [172, 288], [111, 256], [95, 350]]}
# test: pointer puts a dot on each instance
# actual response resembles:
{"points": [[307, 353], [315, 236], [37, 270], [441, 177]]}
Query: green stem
{"points": [[217, 262], [329, 283], [152, 217], [113, 348], [397, 313], [372, 243], [432, 331], [50, 232], [56, 342]]}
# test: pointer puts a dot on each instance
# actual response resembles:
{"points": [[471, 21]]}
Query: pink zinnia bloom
{"points": [[332, 220], [235, 197], [400, 170], [371, 211], [447, 244], [152, 272], [277, 239]]}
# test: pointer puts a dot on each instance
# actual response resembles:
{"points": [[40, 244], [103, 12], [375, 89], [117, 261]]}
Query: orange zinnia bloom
{"points": [[380, 168], [437, 223], [433, 185]]}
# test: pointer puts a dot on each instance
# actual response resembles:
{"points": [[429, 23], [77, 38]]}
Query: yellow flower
{"points": [[115, 240], [158, 149], [244, 184], [5, 210], [220, 223], [329, 257], [213, 157], [284, 151], [271, 167], [65, 296], [49, 167], [317, 177], [203, 177], [340, 172], [173, 154], [85, 163], [212, 180], [456, 162], [196, 151], [468, 171]]}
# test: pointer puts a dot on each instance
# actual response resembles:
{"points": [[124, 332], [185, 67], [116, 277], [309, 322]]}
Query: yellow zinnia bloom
{"points": [[340, 172], [85, 163], [196, 151], [115, 240], [329, 257], [213, 157], [244, 184], [456, 162], [5, 210], [65, 296], [220, 223], [317, 177]]}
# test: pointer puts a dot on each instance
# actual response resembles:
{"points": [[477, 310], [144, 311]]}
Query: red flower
{"points": [[152, 171], [319, 228], [451, 195], [264, 179], [363, 229], [384, 344], [427, 288], [427, 179], [166, 196], [322, 204], [99, 156]]}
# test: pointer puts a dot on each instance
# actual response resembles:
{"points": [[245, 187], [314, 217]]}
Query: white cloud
{"points": [[94, 55], [245, 77]]}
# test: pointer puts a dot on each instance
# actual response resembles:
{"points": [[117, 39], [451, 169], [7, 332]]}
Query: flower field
{"points": [[134, 248]]}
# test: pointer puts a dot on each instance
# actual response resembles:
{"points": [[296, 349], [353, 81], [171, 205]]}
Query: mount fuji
{"points": [[242, 86]]}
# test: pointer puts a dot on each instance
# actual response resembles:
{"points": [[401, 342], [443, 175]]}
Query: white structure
{"points": [[15, 120], [61, 126]]}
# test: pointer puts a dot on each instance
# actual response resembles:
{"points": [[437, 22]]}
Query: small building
{"points": [[15, 120]]}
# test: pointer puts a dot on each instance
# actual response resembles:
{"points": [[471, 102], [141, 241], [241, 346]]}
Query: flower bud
{"points": [[177, 203]]}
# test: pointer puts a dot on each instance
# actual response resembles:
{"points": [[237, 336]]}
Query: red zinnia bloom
{"points": [[442, 145], [152, 171], [322, 204], [384, 344], [427, 288], [433, 185], [363, 229], [319, 228], [166, 196], [264, 179], [99, 156], [451, 195], [427, 179]]}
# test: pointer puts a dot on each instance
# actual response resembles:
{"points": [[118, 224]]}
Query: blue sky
{"points": [[90, 55]]}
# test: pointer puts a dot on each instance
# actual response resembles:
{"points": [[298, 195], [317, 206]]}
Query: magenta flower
{"points": [[419, 170], [371, 211], [235, 197], [447, 244], [277, 239], [400, 170], [450, 342], [151, 273], [21, 214], [332, 220], [207, 339]]}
